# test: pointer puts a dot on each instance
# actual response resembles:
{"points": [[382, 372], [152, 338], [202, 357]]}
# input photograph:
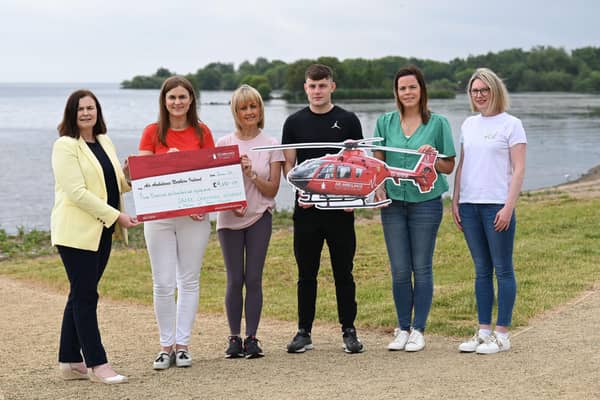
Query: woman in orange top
{"points": [[176, 246]]}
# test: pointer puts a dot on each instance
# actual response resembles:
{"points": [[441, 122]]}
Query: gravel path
{"points": [[556, 357]]}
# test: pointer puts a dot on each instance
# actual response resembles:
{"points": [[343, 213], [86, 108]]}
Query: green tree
{"points": [[589, 83], [276, 74], [357, 75], [294, 77], [556, 81], [209, 79], [390, 65], [340, 75], [434, 70], [542, 58], [194, 81], [461, 78], [246, 68], [261, 65], [540, 68], [590, 56], [163, 73], [512, 74], [260, 83], [229, 81]]}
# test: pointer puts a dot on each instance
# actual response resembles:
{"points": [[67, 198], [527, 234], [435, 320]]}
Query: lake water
{"points": [[562, 130]]}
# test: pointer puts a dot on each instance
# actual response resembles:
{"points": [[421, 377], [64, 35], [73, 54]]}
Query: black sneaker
{"points": [[235, 349], [352, 343], [300, 343], [252, 348]]}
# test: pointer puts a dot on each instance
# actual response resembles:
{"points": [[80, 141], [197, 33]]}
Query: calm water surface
{"points": [[562, 130]]}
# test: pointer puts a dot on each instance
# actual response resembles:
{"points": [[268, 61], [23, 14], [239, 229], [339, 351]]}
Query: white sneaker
{"points": [[164, 360], [416, 341], [400, 339], [493, 344], [471, 345], [183, 358]]}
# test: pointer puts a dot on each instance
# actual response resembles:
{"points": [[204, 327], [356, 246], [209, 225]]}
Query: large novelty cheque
{"points": [[187, 182], [349, 178]]}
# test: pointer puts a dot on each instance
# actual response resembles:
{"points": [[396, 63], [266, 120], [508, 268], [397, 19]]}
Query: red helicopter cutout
{"points": [[348, 178]]}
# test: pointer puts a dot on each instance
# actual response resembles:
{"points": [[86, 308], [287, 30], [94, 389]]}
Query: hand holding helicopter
{"points": [[348, 178]]}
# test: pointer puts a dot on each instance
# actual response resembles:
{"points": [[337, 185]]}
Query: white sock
{"points": [[502, 335], [485, 332]]}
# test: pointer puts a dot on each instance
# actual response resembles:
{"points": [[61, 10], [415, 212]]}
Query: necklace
{"points": [[410, 128]]}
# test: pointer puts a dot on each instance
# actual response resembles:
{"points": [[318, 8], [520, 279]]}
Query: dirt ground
{"points": [[556, 357]]}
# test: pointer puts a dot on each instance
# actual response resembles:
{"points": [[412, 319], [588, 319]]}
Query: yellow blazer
{"points": [[80, 199]]}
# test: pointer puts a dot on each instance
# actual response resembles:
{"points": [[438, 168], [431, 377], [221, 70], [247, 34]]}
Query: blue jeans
{"points": [[489, 250], [410, 230]]}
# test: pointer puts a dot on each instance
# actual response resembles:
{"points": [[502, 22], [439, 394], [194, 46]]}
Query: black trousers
{"points": [[79, 333], [312, 228]]}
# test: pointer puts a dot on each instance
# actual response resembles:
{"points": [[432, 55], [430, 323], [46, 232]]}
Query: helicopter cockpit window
{"points": [[359, 172], [308, 168], [326, 172], [343, 171]]}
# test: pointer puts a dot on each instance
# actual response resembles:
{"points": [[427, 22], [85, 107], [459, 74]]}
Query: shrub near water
{"points": [[556, 258]]}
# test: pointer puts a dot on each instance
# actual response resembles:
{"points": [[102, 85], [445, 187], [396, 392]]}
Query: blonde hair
{"points": [[499, 101], [243, 95]]}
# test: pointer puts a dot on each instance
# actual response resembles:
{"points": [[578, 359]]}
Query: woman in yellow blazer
{"points": [[87, 207]]}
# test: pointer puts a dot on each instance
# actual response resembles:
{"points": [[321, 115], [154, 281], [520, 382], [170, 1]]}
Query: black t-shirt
{"points": [[110, 178], [306, 126]]}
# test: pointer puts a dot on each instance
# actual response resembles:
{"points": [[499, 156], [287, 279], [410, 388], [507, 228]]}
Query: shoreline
{"points": [[587, 186], [593, 174]]}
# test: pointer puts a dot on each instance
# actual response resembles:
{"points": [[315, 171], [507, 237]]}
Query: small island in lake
{"points": [[543, 68]]}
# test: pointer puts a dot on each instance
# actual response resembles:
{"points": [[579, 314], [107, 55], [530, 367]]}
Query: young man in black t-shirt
{"points": [[321, 121]]}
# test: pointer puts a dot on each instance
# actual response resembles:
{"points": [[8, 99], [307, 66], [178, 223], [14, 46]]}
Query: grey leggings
{"points": [[244, 252]]}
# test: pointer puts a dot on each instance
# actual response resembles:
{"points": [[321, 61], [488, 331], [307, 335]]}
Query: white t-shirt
{"points": [[486, 170], [261, 164]]}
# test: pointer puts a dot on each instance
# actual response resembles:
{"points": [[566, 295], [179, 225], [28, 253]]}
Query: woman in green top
{"points": [[411, 221]]}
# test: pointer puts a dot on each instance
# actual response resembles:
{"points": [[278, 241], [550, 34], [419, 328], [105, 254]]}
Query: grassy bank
{"points": [[556, 256]]}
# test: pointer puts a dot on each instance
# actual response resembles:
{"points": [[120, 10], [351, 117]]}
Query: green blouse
{"points": [[436, 132]]}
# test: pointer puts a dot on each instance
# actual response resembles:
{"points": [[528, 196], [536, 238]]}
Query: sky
{"points": [[114, 40]]}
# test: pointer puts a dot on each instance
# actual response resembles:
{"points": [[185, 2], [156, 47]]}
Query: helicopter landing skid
{"points": [[323, 202]]}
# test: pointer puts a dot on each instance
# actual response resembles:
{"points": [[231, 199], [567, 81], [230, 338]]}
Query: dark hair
{"points": [[416, 72], [316, 72], [68, 125], [163, 116]]}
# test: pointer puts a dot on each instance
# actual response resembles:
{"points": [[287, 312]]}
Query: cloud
{"points": [[109, 40]]}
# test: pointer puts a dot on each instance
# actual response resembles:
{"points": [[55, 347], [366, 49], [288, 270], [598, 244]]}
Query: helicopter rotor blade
{"points": [[398, 150], [348, 144], [369, 140], [299, 146]]}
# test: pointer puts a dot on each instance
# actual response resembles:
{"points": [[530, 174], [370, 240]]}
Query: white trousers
{"points": [[176, 247]]}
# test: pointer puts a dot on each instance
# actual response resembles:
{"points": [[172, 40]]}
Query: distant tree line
{"points": [[543, 68]]}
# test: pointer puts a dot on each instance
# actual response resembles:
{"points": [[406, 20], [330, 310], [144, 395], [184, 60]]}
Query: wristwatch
{"points": [[253, 176]]}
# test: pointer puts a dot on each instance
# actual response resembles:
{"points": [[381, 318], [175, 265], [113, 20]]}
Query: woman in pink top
{"points": [[244, 233]]}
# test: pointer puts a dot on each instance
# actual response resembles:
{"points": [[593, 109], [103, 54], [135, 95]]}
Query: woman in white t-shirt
{"points": [[244, 233], [486, 187]]}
